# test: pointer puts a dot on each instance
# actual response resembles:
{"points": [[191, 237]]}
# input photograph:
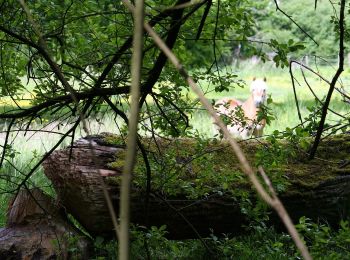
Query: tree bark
{"points": [[318, 190]]}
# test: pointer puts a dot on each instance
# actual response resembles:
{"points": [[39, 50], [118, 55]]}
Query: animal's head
{"points": [[258, 89]]}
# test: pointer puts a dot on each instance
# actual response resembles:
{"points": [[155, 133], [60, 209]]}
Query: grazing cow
{"points": [[242, 117]]}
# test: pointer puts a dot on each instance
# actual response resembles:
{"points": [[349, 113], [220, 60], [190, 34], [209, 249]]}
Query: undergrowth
{"points": [[261, 243]]}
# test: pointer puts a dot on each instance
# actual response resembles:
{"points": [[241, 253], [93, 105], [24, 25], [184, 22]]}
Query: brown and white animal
{"points": [[243, 115]]}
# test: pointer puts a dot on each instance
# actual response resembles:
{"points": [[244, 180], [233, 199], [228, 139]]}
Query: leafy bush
{"points": [[261, 243]]}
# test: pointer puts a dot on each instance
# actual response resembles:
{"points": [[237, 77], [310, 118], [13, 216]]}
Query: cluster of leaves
{"points": [[221, 83], [324, 242], [265, 111], [203, 168], [283, 49]]}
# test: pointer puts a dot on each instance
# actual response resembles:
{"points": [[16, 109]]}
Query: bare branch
{"points": [[136, 65], [295, 93], [333, 82], [316, 97], [204, 17], [65, 98], [290, 18]]}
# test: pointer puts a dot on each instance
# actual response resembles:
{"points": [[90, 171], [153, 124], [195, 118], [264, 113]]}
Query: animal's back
{"points": [[225, 105]]}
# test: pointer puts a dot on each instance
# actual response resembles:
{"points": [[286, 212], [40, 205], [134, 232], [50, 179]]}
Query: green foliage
{"points": [[85, 38], [317, 23], [220, 83], [67, 246], [150, 244], [265, 112], [323, 242], [105, 249], [283, 49]]}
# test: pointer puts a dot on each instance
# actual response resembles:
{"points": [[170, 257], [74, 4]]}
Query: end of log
{"points": [[38, 229]]}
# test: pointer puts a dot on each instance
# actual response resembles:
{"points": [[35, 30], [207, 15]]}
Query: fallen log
{"points": [[201, 189], [37, 228]]}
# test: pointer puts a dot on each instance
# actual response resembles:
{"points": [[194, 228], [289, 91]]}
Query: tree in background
{"points": [[317, 22]]}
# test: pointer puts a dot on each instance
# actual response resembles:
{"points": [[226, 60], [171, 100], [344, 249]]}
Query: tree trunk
{"points": [[319, 189]]}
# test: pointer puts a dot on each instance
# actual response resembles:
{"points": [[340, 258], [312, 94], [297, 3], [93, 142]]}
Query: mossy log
{"points": [[206, 191]]}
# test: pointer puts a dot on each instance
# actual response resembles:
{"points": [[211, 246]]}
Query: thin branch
{"points": [[320, 76], [314, 94], [79, 96], [204, 17], [183, 115], [177, 211], [283, 214], [290, 18], [333, 82], [186, 5], [136, 65], [141, 147], [295, 93], [311, 70], [173, 126], [6, 141], [30, 173]]}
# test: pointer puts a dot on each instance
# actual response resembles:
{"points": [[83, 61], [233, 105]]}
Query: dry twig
{"points": [[136, 64]]}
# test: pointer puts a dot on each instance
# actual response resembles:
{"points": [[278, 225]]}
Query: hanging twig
{"points": [[178, 211], [295, 93], [320, 76]]}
